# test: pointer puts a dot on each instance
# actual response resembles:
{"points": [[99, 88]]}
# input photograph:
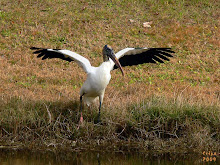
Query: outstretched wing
{"points": [[64, 55], [136, 56]]}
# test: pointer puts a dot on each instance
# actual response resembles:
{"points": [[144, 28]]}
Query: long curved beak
{"points": [[117, 63]]}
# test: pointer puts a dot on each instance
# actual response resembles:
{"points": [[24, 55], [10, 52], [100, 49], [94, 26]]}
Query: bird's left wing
{"points": [[64, 55], [136, 56]]}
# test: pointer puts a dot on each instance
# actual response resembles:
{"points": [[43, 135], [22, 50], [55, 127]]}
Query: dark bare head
{"points": [[109, 52]]}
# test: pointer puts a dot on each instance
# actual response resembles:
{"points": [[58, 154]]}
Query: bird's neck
{"points": [[106, 66], [105, 58]]}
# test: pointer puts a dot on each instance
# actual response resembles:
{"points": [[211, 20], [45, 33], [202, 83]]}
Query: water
{"points": [[27, 157]]}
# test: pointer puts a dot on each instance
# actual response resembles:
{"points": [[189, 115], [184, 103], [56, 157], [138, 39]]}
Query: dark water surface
{"points": [[27, 157]]}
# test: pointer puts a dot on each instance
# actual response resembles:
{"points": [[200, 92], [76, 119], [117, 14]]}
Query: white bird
{"points": [[98, 77]]}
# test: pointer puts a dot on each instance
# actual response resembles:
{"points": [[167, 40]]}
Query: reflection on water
{"points": [[25, 157]]}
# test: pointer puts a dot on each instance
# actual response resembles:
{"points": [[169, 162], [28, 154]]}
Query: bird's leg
{"points": [[81, 107], [98, 120], [100, 105]]}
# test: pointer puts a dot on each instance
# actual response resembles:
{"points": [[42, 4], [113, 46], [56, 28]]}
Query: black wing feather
{"points": [[151, 55], [164, 49], [157, 59], [165, 53], [44, 53], [163, 57]]}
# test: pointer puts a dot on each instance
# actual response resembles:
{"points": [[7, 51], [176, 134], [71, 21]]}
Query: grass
{"points": [[159, 107], [156, 124]]}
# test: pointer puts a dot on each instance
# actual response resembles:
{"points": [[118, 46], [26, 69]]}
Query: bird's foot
{"points": [[80, 121], [97, 120]]}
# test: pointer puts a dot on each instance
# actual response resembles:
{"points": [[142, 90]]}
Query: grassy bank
{"points": [[160, 107], [154, 124]]}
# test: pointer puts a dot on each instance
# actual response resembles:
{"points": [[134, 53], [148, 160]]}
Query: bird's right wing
{"points": [[136, 56], [64, 55]]}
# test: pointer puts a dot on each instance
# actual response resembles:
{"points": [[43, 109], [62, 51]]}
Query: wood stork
{"points": [[99, 77]]}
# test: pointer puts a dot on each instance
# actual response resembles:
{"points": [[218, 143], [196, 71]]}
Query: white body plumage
{"points": [[97, 80]]}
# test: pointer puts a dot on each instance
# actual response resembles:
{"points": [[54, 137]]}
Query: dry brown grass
{"points": [[191, 28]]}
